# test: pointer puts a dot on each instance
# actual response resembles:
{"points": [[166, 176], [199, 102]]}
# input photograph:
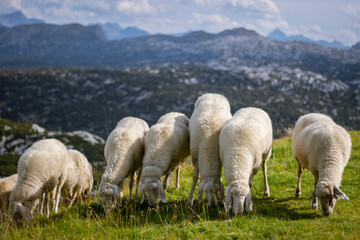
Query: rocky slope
{"points": [[94, 100]]}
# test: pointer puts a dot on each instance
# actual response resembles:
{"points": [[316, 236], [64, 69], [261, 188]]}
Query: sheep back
{"points": [[39, 170], [124, 149], [321, 146], [166, 145], [6, 186], [210, 113], [244, 139]]}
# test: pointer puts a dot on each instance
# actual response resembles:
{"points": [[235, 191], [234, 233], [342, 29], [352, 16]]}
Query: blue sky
{"points": [[317, 19]]}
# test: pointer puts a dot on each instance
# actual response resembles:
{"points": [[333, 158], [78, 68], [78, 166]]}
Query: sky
{"points": [[316, 19]]}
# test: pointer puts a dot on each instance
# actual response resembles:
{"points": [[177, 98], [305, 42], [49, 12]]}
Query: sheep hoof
{"points": [[266, 194], [314, 206]]}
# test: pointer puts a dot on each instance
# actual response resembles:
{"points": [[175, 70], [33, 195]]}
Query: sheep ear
{"points": [[25, 212], [340, 194], [201, 190], [161, 192], [228, 201]]}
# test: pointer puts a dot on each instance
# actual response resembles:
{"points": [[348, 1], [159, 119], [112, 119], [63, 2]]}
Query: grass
{"points": [[279, 216]]}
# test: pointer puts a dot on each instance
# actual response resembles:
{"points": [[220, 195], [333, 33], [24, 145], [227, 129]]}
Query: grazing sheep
{"points": [[40, 170], [210, 113], [245, 145], [6, 186], [166, 147], [124, 150], [323, 147], [78, 177]]}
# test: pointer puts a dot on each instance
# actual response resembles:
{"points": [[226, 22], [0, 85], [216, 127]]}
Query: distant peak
{"points": [[17, 13], [277, 34], [356, 46], [238, 32]]}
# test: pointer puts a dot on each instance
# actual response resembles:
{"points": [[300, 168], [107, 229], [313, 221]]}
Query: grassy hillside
{"points": [[16, 137], [279, 216]]}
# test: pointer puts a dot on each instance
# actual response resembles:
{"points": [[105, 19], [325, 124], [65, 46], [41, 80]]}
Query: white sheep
{"points": [[245, 145], [79, 178], [40, 170], [166, 147], [124, 150], [324, 148], [6, 186], [210, 113]]}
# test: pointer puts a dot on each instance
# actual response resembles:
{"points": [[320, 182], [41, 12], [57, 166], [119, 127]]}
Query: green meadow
{"points": [[279, 216]]}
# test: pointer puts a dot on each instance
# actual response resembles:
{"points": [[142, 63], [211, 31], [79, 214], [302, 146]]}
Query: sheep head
{"points": [[235, 196], [211, 186], [110, 194], [328, 195], [25, 211], [153, 189]]}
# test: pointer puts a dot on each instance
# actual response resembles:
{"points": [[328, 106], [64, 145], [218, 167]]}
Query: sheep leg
{"points": [[73, 198], [248, 197], [266, 186], [138, 176], [41, 207], [58, 194], [34, 205], [298, 189], [166, 181], [314, 204], [195, 179], [177, 184], [131, 183], [48, 204]]}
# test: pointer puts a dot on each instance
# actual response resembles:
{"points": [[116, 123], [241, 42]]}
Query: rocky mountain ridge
{"points": [[277, 34]]}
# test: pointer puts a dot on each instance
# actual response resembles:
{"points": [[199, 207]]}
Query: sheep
{"points": [[6, 186], [124, 150], [79, 178], [167, 145], [324, 148], [245, 144], [40, 170], [210, 113]]}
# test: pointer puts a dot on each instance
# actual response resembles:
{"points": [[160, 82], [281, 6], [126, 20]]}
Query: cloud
{"points": [[215, 22], [265, 26], [352, 12], [266, 6], [346, 36], [10, 5], [136, 7]]}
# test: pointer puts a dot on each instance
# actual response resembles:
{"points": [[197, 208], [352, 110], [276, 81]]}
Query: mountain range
{"points": [[17, 18], [114, 31], [277, 34], [97, 81], [74, 45]]}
